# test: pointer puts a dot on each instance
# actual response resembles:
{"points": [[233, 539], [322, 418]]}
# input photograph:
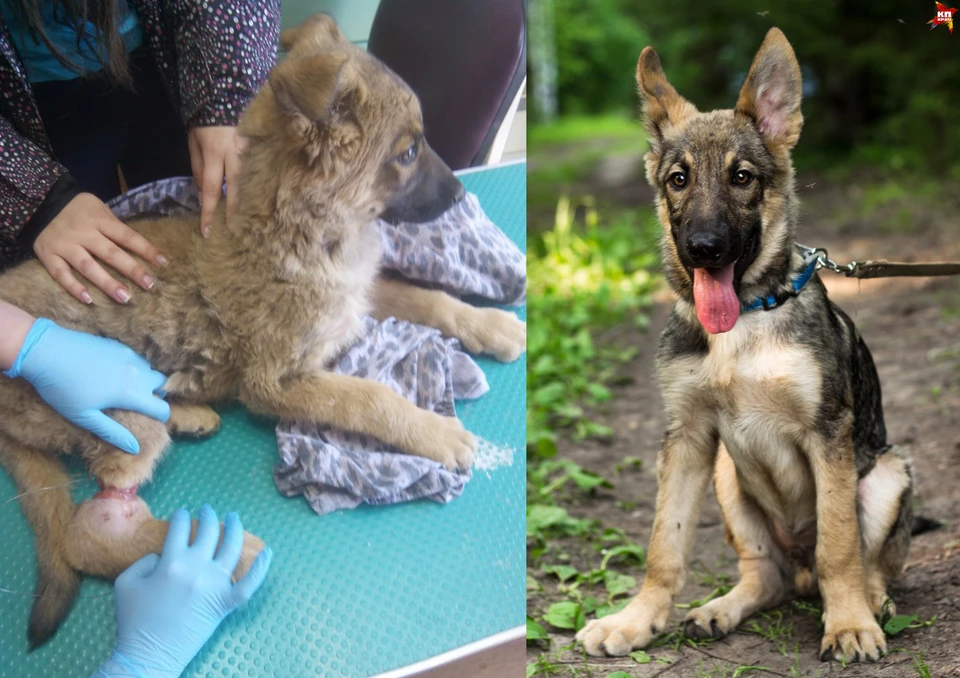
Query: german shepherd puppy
{"points": [[782, 405], [256, 313]]}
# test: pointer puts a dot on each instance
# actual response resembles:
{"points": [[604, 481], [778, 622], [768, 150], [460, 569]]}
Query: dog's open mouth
{"points": [[717, 304]]}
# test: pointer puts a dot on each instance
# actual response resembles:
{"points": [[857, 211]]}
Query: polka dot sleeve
{"points": [[224, 51], [27, 174]]}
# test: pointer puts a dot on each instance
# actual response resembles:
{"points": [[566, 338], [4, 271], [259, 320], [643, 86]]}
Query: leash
{"points": [[880, 268], [815, 258]]}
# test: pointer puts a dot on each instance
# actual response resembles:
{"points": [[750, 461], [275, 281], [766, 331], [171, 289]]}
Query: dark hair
{"points": [[103, 14]]}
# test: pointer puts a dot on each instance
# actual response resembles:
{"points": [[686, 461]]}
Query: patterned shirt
{"points": [[213, 56]]}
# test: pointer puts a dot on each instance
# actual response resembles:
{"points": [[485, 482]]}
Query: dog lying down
{"points": [[257, 313]]}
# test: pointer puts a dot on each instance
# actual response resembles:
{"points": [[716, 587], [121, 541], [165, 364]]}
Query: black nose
{"points": [[461, 191], [706, 248]]}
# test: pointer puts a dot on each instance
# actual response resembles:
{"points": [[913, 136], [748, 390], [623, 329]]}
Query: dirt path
{"points": [[913, 330]]}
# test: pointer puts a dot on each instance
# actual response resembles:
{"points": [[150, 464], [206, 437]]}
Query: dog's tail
{"points": [[922, 525], [44, 494]]}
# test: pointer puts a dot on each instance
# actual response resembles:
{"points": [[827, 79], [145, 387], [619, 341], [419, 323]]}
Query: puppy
{"points": [[257, 313], [766, 383]]}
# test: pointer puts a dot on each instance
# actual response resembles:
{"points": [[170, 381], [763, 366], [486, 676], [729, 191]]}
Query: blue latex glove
{"points": [[79, 375], [169, 605]]}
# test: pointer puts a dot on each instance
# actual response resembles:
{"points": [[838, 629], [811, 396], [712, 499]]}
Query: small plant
{"points": [[542, 667], [582, 281], [920, 666], [777, 629]]}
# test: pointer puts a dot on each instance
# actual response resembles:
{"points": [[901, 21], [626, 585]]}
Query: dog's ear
{"points": [[319, 32], [308, 86], [772, 91], [662, 106], [312, 92]]}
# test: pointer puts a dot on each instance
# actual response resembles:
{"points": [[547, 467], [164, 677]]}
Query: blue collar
{"points": [[767, 303]]}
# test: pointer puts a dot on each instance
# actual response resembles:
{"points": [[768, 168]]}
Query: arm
{"points": [[43, 210], [219, 74], [79, 375], [33, 190], [16, 324]]}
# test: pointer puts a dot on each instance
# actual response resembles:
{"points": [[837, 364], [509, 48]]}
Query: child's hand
{"points": [[85, 231], [214, 156]]}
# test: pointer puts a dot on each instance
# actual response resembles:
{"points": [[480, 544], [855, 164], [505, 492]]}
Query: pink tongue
{"points": [[717, 305]]}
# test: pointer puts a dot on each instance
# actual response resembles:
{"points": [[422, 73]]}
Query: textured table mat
{"points": [[351, 594]]}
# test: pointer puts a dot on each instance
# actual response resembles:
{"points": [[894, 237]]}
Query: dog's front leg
{"points": [[482, 330], [850, 631], [684, 466], [367, 407]]}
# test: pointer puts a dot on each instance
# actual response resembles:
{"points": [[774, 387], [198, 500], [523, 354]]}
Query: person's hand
{"points": [[79, 375], [85, 231], [169, 605], [214, 156]]}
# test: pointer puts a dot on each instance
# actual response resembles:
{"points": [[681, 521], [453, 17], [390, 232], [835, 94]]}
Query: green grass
{"points": [[920, 666], [583, 129], [565, 153]]}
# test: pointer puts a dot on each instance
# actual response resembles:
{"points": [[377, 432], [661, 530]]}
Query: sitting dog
{"points": [[765, 382], [257, 313]]}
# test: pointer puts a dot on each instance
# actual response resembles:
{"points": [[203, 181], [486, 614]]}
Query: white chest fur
{"points": [[761, 393]]}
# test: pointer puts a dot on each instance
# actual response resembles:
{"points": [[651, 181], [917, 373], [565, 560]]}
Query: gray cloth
{"points": [[462, 252]]}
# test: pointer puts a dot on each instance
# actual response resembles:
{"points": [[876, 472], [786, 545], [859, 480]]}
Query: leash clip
{"points": [[824, 261]]}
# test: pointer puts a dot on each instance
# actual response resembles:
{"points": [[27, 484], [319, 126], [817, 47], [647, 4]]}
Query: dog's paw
{"points": [[447, 441], [632, 628], [849, 640], [192, 420], [711, 621], [498, 333]]}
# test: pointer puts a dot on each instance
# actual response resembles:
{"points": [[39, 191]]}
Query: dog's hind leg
{"points": [[885, 514], [761, 582], [115, 528], [44, 494]]}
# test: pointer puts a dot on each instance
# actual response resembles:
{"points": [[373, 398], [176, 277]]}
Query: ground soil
{"points": [[912, 327]]}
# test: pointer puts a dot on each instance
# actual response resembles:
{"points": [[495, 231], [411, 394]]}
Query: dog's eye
{"points": [[408, 156], [678, 179], [742, 178]]}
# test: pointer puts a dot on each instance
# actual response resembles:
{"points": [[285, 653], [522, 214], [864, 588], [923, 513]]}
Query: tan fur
{"points": [[257, 313], [787, 484]]}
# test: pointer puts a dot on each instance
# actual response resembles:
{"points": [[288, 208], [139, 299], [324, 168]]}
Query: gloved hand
{"points": [[80, 374], [168, 606]]}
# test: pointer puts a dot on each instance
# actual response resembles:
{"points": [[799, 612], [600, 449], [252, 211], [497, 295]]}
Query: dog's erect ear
{"points": [[662, 106], [308, 85], [319, 32], [772, 92]]}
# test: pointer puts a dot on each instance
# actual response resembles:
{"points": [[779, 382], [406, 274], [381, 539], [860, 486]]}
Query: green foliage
{"points": [[596, 44], [920, 666], [901, 622], [879, 85], [585, 129], [580, 283], [542, 667], [535, 631]]}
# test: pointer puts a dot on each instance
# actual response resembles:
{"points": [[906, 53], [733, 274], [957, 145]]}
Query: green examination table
{"points": [[374, 590]]}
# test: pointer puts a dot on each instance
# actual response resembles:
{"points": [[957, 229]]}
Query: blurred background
{"points": [[878, 173]]}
